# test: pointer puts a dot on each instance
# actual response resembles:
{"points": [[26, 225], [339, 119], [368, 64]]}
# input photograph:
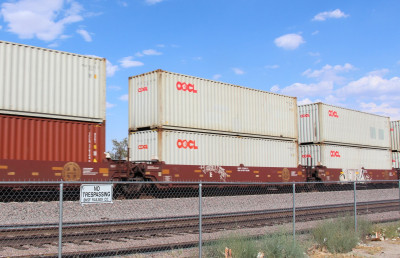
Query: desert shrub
{"points": [[241, 247], [280, 245], [339, 235]]}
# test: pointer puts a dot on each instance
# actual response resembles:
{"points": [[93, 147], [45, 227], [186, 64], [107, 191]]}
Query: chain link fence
{"points": [[175, 220]]}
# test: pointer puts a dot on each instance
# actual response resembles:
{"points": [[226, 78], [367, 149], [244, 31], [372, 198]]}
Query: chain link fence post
{"points": [[60, 224], [200, 222], [355, 206], [294, 213]]}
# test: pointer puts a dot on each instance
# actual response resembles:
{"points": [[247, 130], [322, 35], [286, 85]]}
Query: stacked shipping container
{"points": [[395, 136], [344, 139], [52, 105], [185, 120]]}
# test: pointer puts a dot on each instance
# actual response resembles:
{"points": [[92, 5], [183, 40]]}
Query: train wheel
{"points": [[130, 189]]}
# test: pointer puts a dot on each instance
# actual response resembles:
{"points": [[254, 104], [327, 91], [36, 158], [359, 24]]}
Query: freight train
{"points": [[181, 128]]}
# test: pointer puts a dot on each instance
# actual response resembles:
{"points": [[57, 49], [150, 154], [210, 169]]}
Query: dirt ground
{"points": [[386, 248]]}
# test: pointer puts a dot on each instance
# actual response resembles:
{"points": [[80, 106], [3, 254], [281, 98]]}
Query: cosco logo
{"points": [[335, 154], [185, 144], [333, 113], [306, 156], [304, 115], [183, 86], [142, 89], [143, 147]]}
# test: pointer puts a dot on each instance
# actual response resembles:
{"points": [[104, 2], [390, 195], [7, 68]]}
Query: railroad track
{"points": [[17, 236]]}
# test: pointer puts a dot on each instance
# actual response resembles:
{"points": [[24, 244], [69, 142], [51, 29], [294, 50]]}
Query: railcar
{"points": [[181, 129]]}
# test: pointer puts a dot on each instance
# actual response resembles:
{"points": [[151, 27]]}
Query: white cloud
{"points": [[382, 109], [148, 52], [151, 52], [43, 19], [275, 88], [110, 68], [1, 27], [302, 90], [314, 53], [217, 76], [109, 105], [113, 87], [151, 2], [123, 3], [127, 62], [65, 36], [336, 14], [372, 85], [272, 66], [85, 35], [124, 97], [238, 71], [315, 32], [160, 45], [289, 41], [53, 45], [329, 73], [304, 102], [380, 73]]}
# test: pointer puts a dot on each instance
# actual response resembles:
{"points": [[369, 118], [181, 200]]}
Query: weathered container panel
{"points": [[396, 159], [47, 83], [162, 99], [322, 123], [395, 135], [191, 148], [345, 157], [40, 139]]}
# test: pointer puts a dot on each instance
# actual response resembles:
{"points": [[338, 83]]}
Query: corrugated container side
{"points": [[395, 135], [163, 99], [345, 157], [396, 159], [29, 138], [47, 83], [191, 148], [322, 123], [309, 124]]}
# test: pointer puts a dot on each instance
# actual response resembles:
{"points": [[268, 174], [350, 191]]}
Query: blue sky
{"points": [[345, 53]]}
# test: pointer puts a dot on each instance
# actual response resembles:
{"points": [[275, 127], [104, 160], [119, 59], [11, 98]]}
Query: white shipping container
{"points": [[162, 99], [345, 157], [193, 148], [322, 123], [395, 135], [47, 83], [396, 159]]}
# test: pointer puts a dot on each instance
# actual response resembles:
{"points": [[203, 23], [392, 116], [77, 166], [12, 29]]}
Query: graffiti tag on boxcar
{"points": [[214, 169], [354, 175]]}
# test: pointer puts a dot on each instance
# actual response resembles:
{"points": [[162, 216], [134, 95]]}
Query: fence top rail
{"points": [[190, 182]]}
